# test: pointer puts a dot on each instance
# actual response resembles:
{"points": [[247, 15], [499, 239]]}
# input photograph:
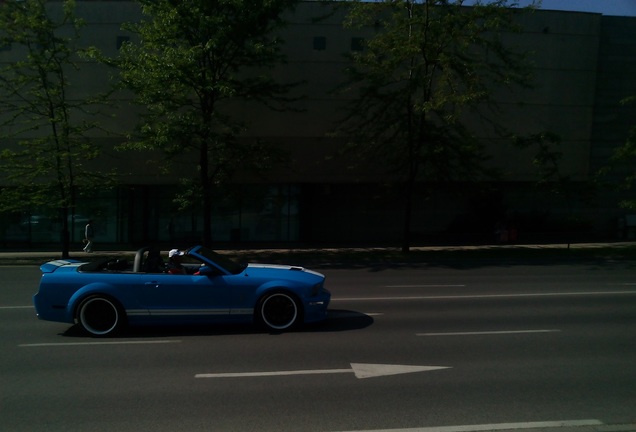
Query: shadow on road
{"points": [[337, 321]]}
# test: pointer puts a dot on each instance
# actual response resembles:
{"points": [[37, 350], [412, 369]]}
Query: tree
{"points": [[428, 70], [619, 171], [47, 166], [193, 58]]}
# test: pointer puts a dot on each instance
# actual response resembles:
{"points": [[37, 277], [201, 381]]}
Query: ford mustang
{"points": [[103, 296]]}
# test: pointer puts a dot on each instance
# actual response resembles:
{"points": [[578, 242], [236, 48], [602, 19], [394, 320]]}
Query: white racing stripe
{"points": [[492, 427]]}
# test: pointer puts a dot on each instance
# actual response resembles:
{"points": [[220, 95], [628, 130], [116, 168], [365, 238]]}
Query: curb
{"points": [[376, 255]]}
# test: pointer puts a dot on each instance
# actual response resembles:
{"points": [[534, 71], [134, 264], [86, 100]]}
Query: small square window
{"points": [[320, 43], [122, 40], [357, 44]]}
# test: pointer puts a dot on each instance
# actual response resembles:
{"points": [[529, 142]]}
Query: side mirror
{"points": [[205, 270]]}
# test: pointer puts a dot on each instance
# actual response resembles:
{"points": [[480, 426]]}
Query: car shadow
{"points": [[338, 320]]}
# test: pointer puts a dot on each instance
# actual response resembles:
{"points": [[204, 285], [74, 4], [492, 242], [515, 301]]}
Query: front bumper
{"points": [[316, 307]]}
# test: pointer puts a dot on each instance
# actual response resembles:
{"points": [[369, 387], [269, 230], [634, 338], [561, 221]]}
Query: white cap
{"points": [[175, 252]]}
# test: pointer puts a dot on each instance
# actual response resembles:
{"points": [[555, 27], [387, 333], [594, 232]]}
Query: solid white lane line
{"points": [[496, 426], [503, 332], [487, 296], [426, 286], [141, 342]]}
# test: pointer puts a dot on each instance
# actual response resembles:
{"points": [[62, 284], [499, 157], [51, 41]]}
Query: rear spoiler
{"points": [[51, 266]]}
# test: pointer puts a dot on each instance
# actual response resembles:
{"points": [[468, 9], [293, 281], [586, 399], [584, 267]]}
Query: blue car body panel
{"points": [[222, 292]]}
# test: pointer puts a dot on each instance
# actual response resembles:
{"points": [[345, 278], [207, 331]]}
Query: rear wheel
{"points": [[100, 316], [279, 311]]}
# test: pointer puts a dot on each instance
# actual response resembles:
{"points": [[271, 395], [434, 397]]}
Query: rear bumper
{"points": [[49, 312]]}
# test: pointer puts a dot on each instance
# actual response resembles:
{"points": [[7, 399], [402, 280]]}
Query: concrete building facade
{"points": [[585, 64]]}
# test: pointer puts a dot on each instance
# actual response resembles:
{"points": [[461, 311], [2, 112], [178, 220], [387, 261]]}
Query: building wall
{"points": [[584, 66], [616, 70]]}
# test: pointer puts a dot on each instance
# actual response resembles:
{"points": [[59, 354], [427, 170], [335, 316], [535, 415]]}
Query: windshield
{"points": [[220, 260]]}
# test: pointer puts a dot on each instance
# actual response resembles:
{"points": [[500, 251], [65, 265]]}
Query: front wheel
{"points": [[100, 316], [279, 311]]}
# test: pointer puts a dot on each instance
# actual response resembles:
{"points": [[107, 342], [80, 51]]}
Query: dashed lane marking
{"points": [[60, 344], [487, 296], [479, 333]]}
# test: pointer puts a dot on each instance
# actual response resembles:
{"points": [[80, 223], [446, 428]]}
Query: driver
{"points": [[174, 262]]}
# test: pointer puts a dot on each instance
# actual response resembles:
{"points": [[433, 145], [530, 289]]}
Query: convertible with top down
{"points": [[105, 295]]}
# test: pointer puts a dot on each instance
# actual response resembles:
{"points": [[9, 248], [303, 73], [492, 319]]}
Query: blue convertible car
{"points": [[104, 296]]}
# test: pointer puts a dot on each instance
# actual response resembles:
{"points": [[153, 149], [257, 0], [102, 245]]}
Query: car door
{"points": [[187, 297]]}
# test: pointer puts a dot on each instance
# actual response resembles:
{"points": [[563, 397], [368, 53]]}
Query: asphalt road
{"points": [[507, 347]]}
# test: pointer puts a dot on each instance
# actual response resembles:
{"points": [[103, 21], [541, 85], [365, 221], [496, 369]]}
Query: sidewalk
{"points": [[624, 250]]}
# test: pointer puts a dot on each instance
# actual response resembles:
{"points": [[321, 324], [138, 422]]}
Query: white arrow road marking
{"points": [[361, 370]]}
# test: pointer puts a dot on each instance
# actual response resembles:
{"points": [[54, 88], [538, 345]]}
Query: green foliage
{"points": [[44, 130], [193, 63], [428, 67], [192, 58], [547, 156], [621, 164], [45, 165]]}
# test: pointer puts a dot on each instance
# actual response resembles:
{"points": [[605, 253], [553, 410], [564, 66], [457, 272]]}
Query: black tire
{"points": [[279, 311], [100, 316]]}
